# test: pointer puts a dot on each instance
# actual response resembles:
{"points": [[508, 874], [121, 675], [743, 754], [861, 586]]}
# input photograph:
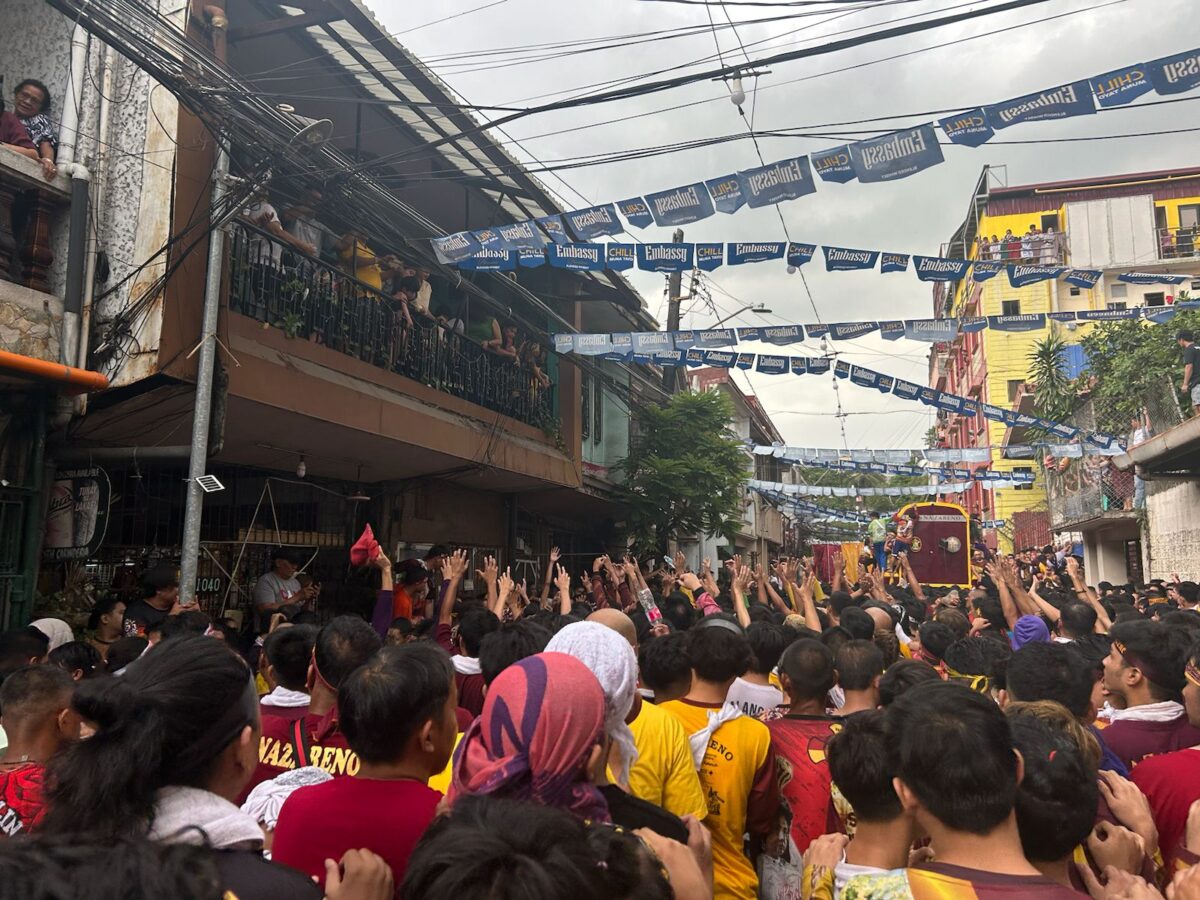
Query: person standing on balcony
{"points": [[995, 249], [265, 251], [300, 221], [1191, 367], [1012, 247], [1030, 245], [358, 260], [1051, 246], [14, 136], [31, 102]]}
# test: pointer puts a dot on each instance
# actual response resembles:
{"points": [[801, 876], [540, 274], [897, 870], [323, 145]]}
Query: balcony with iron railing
{"points": [[308, 299], [1178, 243]]}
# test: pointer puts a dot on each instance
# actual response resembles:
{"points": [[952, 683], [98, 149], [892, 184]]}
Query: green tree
{"points": [[686, 471], [1054, 395], [1132, 363]]}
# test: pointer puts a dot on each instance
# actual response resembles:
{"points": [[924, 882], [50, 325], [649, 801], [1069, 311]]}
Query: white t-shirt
{"points": [[424, 294], [844, 871], [263, 250], [753, 699]]}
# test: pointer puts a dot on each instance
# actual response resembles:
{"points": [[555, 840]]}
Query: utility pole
{"points": [[674, 289]]}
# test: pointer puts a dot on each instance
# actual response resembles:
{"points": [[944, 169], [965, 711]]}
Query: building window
{"points": [[1158, 299], [1121, 304], [585, 406], [1049, 220], [1075, 292], [1026, 470], [1014, 385], [1118, 290], [1010, 307], [1196, 285]]}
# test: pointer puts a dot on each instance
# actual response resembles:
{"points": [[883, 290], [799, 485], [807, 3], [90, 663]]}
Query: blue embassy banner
{"points": [[554, 228], [970, 128], [635, 211], [620, 257], [838, 259], [564, 343], [685, 339], [489, 239], [709, 256], [716, 337], [799, 254], [782, 334], [1108, 315], [455, 247], [531, 259], [893, 262], [787, 179], [665, 257], [936, 268], [521, 236], [845, 331], [1152, 278], [1175, 74], [1074, 99], [864, 377], [720, 359], [587, 257], [651, 341], [1120, 86], [896, 155], [1024, 322], [1084, 278], [592, 344], [834, 164], [841, 369], [819, 365], [772, 365], [681, 205], [932, 330], [982, 271], [891, 331], [906, 389], [621, 349], [1019, 276], [739, 254], [595, 222], [799, 365], [694, 357], [490, 261], [745, 361], [727, 194], [972, 324]]}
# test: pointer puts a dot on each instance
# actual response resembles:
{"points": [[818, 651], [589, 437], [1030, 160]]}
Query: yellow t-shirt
{"points": [[737, 764], [664, 773], [441, 781], [360, 261]]}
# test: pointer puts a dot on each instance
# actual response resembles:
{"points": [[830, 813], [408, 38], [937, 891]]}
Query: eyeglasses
{"points": [[32, 98]]}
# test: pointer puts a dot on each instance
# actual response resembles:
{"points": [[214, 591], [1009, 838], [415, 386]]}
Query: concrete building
{"points": [[1115, 223], [330, 410]]}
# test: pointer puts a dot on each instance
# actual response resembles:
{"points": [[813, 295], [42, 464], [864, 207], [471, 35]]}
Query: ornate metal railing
{"points": [[311, 300]]}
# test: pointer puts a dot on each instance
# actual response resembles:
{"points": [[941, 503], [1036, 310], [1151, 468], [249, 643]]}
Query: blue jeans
{"points": [[880, 548]]}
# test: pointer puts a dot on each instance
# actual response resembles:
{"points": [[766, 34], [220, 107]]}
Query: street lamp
{"points": [[750, 307]]}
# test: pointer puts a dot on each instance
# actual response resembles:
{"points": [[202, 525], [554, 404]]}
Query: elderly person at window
{"points": [[14, 137], [31, 103]]}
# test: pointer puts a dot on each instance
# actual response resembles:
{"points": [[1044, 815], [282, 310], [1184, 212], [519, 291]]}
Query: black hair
{"points": [[47, 103], [124, 651], [678, 611], [287, 554], [1051, 671], [935, 638], [157, 579], [859, 766], [835, 638], [989, 607], [663, 663], [33, 692], [768, 641], [1189, 591], [903, 675], [474, 626], [289, 651], [190, 621], [77, 656], [343, 645], [953, 749], [39, 867], [626, 865], [858, 664], [504, 850], [1184, 334], [20, 645], [103, 607], [306, 617], [164, 722], [402, 625], [1077, 619], [718, 654], [1057, 798], [966, 656], [385, 702], [510, 644], [437, 550], [1187, 619], [1159, 651], [955, 619], [858, 623], [809, 667], [840, 601]]}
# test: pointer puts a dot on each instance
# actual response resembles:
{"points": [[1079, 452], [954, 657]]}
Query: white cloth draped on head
{"points": [[56, 630], [613, 662]]}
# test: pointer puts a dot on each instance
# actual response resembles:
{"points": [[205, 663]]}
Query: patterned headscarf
{"points": [[612, 660], [541, 719]]}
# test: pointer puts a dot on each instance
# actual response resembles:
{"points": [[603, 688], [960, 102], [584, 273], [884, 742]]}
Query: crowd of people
{"points": [[729, 732], [1035, 246]]}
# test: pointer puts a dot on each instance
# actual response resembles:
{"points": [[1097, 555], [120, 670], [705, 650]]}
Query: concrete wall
{"points": [[1174, 537], [30, 322]]}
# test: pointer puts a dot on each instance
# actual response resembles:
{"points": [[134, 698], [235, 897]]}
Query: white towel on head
{"points": [[699, 740], [466, 665], [58, 631], [1163, 711], [188, 815], [285, 698], [614, 664]]}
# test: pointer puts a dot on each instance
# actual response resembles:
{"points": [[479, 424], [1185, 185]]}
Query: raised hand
{"points": [[454, 566], [741, 580], [505, 583], [555, 555], [490, 571], [680, 561], [562, 579]]}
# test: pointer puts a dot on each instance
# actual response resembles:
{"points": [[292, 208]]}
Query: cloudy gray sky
{"points": [[956, 68]]}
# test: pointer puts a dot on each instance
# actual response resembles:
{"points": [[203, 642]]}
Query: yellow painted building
{"points": [[1117, 224]]}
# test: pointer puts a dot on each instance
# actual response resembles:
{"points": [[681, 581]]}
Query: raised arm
{"points": [[504, 590], [563, 582], [913, 584], [1045, 608], [1026, 605], [741, 584], [453, 570], [806, 591], [1006, 601], [1103, 622], [490, 573], [544, 600], [838, 582]]}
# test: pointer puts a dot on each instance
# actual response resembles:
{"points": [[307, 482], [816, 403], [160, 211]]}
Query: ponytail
{"points": [[162, 723]]}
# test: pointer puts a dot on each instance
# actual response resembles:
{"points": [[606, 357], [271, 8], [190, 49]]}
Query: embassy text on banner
{"points": [[784, 180], [680, 205], [1065, 101], [598, 221], [896, 155]]}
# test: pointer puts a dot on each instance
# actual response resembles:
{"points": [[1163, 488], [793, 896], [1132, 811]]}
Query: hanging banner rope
{"points": [[667, 347], [883, 158], [909, 471], [941, 455], [921, 490]]}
